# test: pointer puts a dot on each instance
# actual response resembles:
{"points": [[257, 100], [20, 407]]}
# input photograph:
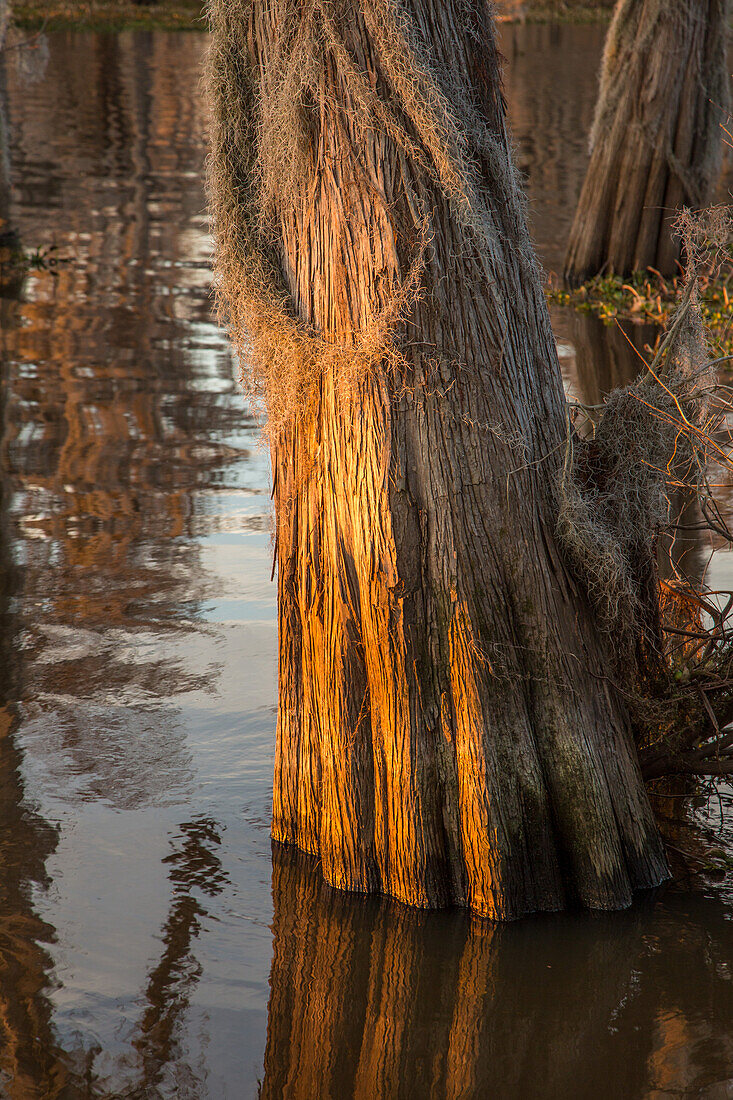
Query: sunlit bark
{"points": [[446, 730], [657, 137]]}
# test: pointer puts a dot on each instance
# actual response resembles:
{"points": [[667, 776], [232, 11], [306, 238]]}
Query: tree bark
{"points": [[447, 732], [656, 139]]}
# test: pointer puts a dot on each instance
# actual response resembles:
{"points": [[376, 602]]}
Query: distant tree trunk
{"points": [[447, 732], [656, 139]]}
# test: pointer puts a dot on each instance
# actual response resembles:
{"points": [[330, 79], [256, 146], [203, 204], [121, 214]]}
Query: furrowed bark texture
{"points": [[446, 730], [656, 139]]}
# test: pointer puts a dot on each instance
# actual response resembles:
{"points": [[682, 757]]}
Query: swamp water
{"points": [[149, 947]]}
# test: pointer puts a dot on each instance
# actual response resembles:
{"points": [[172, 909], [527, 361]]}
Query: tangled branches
{"points": [[647, 443]]}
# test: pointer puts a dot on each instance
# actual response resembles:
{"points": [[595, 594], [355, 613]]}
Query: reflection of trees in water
{"points": [[606, 356], [108, 425], [108, 432], [31, 1063], [117, 389], [372, 1000], [194, 869], [550, 110]]}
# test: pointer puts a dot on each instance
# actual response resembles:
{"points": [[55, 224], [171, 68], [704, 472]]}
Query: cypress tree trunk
{"points": [[447, 733], [656, 138]]}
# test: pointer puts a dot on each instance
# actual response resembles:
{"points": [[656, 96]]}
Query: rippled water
{"points": [[147, 948]]}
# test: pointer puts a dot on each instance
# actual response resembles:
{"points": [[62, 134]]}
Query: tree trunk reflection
{"points": [[372, 1000]]}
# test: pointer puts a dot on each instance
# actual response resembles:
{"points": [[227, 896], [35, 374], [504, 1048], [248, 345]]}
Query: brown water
{"points": [[147, 948]]}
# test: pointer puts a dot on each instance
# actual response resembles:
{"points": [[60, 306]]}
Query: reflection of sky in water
{"points": [[137, 500], [139, 643]]}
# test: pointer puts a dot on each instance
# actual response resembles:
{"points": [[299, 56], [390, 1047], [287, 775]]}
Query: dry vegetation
{"points": [[652, 442]]}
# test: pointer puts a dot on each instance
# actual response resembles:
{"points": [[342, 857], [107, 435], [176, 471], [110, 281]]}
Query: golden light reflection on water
{"points": [[118, 410], [371, 999]]}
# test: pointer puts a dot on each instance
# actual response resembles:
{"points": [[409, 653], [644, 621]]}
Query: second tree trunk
{"points": [[656, 138]]}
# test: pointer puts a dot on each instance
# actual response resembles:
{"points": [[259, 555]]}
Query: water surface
{"points": [[148, 948]]}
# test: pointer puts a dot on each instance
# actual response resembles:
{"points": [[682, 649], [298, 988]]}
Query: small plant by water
{"points": [[647, 297]]}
